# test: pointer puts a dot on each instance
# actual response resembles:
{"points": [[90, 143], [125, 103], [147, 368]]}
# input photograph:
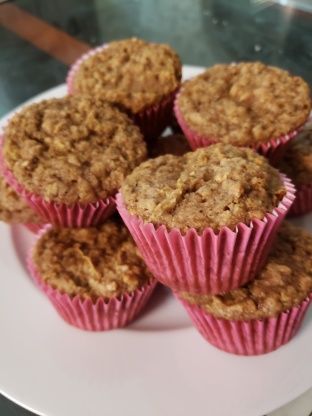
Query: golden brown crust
{"points": [[132, 73], [92, 262], [217, 186], [174, 144], [72, 149], [245, 104], [297, 162], [13, 209], [284, 282]]}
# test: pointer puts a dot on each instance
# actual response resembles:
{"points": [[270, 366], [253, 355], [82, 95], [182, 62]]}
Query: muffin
{"points": [[13, 210], [204, 222], [139, 76], [173, 144], [246, 104], [267, 312], [93, 276], [297, 164], [68, 157]]}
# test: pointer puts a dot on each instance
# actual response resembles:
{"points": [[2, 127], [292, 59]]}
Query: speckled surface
{"points": [[204, 32]]}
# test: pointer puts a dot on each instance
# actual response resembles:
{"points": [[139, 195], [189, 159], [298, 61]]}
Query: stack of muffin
{"points": [[204, 221]]}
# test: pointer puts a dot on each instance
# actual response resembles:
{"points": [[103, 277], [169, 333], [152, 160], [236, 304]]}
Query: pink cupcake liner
{"points": [[303, 202], [152, 120], [274, 149], [34, 228], [61, 215], [209, 263], [253, 337], [101, 315]]}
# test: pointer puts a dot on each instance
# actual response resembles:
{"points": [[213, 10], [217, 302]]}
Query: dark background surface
{"points": [[203, 32]]}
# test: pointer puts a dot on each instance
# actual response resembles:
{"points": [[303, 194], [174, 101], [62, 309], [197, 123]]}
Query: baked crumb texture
{"points": [[72, 150], [92, 262], [297, 162], [131, 73], [284, 282], [13, 209], [244, 104], [217, 186]]}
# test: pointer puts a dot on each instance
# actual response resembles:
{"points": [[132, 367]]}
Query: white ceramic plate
{"points": [[159, 365]]}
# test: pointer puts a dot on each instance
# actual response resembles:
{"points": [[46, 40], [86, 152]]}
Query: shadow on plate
{"points": [[162, 313], [23, 240]]}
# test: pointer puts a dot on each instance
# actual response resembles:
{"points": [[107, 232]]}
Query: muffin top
{"points": [[173, 144], [284, 282], [90, 262], [132, 73], [73, 149], [220, 185], [297, 162], [13, 209], [245, 103]]}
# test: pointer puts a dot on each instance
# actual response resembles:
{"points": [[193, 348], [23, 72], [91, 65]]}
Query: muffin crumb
{"points": [[217, 186], [131, 72], [13, 209], [73, 149], [245, 104], [90, 262]]}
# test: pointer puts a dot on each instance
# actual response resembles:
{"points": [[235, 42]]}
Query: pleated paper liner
{"points": [[152, 120], [34, 228], [210, 262], [100, 315], [303, 202], [249, 337], [61, 215], [274, 149]]}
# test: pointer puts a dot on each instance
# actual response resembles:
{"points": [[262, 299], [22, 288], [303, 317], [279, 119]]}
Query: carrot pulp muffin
{"points": [[90, 262], [72, 150], [218, 186], [284, 282], [205, 221], [245, 104], [13, 209], [267, 312], [93, 276], [132, 73]]}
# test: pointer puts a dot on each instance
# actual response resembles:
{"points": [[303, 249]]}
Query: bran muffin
{"points": [[282, 288], [131, 72], [97, 265], [71, 151], [173, 144], [13, 209], [138, 76], [297, 164], [244, 104], [219, 186], [205, 221]]}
